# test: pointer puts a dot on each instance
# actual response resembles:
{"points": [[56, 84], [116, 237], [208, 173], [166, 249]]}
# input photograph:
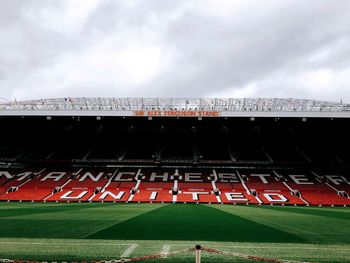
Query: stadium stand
{"points": [[287, 152], [175, 185], [269, 189]]}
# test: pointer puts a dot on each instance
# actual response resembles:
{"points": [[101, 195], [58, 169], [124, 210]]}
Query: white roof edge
{"points": [[190, 107], [229, 114]]}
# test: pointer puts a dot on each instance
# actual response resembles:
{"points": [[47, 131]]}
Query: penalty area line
{"points": [[165, 250], [269, 247], [129, 251], [282, 248]]}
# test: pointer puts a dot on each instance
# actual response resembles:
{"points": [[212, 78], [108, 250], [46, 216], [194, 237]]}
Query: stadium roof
{"points": [[176, 107]]}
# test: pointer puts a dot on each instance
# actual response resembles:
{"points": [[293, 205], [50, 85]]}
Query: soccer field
{"points": [[103, 231]]}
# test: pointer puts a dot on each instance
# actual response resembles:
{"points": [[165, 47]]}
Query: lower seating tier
{"points": [[129, 185]]}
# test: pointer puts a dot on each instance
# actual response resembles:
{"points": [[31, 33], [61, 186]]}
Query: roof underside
{"points": [[176, 107]]}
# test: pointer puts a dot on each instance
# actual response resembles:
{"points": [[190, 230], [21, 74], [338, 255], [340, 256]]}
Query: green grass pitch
{"points": [[96, 231]]}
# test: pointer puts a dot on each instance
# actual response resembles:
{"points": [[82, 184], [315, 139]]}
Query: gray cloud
{"points": [[162, 48]]}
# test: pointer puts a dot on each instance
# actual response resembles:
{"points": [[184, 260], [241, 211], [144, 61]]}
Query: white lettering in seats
{"points": [[275, 197], [300, 179], [262, 177], [54, 175]]}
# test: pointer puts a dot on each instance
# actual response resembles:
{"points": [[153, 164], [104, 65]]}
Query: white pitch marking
{"points": [[63, 244], [165, 250], [129, 251], [174, 245], [270, 247]]}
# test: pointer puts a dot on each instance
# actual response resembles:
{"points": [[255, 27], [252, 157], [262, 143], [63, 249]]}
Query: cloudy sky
{"points": [[167, 48]]}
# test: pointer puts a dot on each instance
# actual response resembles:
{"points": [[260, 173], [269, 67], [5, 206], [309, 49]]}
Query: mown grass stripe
{"points": [[312, 211], [314, 229], [64, 244], [324, 238], [193, 222], [72, 223], [137, 213]]}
